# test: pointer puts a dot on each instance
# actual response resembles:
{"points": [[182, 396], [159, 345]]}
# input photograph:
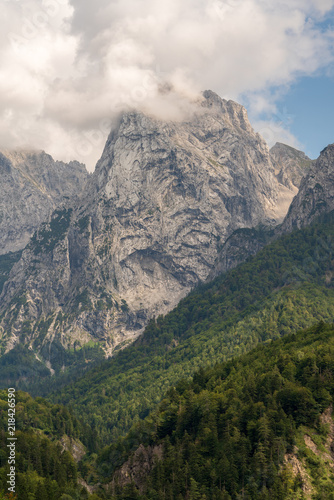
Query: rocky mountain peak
{"points": [[215, 138], [234, 114], [291, 165], [5, 165], [149, 226], [316, 193], [326, 157]]}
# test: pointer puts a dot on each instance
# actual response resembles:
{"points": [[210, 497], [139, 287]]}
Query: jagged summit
{"points": [[149, 226], [328, 153], [215, 139], [291, 165], [316, 193], [212, 97], [236, 113]]}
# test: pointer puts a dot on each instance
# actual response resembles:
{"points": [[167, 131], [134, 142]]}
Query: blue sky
{"points": [[303, 111], [309, 106]]}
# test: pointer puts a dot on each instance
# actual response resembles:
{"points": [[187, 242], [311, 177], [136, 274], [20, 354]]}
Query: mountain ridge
{"points": [[316, 193], [148, 228], [32, 186]]}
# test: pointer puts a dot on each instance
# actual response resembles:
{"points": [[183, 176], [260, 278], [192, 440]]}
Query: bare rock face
{"points": [[315, 196], [32, 185], [149, 226], [316, 193], [242, 244], [137, 467], [291, 165]]}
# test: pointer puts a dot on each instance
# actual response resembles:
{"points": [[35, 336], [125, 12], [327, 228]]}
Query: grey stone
{"points": [[150, 226], [32, 185]]}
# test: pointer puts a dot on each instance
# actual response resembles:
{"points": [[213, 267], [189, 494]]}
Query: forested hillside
{"points": [[46, 436], [285, 287], [257, 427]]}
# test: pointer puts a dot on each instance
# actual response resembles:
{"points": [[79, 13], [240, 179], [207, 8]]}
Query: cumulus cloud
{"points": [[69, 66]]}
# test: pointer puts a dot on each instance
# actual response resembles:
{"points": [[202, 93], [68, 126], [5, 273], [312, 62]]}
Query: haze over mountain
{"points": [[67, 66]]}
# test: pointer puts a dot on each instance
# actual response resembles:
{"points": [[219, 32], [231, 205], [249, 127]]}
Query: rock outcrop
{"points": [[136, 469], [291, 165], [292, 169], [242, 244], [32, 185], [150, 225], [316, 193]]}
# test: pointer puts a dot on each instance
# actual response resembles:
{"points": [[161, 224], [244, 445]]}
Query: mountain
{"points": [[32, 185], [148, 228], [316, 193], [292, 169], [287, 286], [259, 427], [242, 244], [291, 165], [6, 263]]}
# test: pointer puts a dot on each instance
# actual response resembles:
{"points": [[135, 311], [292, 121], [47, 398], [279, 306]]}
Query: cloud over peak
{"points": [[67, 67]]}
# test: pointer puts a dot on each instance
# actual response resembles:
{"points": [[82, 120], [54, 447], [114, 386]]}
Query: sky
{"points": [[310, 102], [69, 67]]}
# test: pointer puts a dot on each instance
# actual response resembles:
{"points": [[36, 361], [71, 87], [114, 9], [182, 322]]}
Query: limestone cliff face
{"points": [[32, 185], [315, 178], [149, 226], [242, 244], [291, 165], [316, 193]]}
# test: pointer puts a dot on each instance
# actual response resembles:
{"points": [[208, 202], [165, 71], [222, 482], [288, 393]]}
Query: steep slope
{"points": [[316, 193], [257, 427], [6, 263], [148, 228], [32, 185], [47, 448], [293, 170], [243, 243], [288, 285], [291, 165]]}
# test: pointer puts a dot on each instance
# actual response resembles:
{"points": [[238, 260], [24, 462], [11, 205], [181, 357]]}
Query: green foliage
{"points": [[83, 223], [44, 470], [46, 238], [6, 263], [82, 301], [21, 368], [124, 306], [285, 287], [19, 364], [224, 430], [226, 433]]}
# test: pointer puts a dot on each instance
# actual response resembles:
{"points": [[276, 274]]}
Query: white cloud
{"points": [[67, 66]]}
